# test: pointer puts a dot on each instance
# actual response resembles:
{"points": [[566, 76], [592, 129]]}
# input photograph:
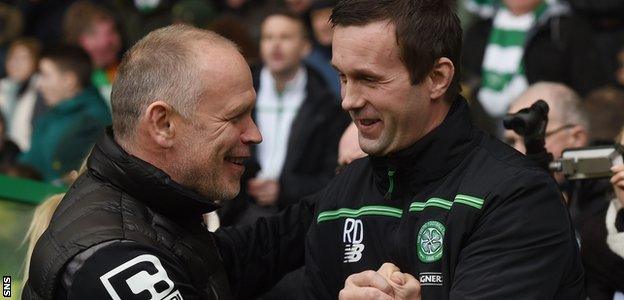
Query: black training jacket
{"points": [[126, 230], [467, 215]]}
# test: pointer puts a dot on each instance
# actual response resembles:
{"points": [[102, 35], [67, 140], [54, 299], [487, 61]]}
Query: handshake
{"points": [[388, 283]]}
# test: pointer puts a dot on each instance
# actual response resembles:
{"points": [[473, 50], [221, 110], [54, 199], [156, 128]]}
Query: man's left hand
{"points": [[265, 191], [387, 283]]}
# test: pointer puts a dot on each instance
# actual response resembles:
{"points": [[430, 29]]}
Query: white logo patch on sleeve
{"points": [[143, 275], [352, 236]]}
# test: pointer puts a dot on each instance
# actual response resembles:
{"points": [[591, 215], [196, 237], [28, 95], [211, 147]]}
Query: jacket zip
{"points": [[391, 172]]}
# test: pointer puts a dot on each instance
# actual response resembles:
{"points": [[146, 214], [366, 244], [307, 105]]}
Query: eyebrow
{"points": [[360, 72]]}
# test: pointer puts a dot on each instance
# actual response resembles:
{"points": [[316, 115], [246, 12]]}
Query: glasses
{"points": [[562, 128]]}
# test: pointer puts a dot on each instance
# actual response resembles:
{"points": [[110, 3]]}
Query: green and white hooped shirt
{"points": [[503, 77]]}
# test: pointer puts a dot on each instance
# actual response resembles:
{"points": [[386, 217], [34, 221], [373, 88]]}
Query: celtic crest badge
{"points": [[430, 241]]}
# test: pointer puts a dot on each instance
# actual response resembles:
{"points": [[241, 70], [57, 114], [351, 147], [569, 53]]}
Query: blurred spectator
{"points": [[619, 73], [299, 118], [349, 146], [198, 13], [602, 244], [18, 95], [11, 25], [8, 150], [528, 41], [321, 54], [232, 28], [93, 28], [605, 109], [568, 127], [483, 8], [43, 20], [142, 16], [299, 7], [64, 135], [18, 92], [22, 171], [607, 19]]}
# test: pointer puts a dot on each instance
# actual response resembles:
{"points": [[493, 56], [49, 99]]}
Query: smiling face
{"points": [[217, 138], [389, 112]]}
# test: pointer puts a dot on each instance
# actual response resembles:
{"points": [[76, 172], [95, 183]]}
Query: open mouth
{"points": [[239, 160], [368, 122]]}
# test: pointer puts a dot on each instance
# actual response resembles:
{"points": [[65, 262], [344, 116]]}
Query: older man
{"points": [[131, 226], [438, 198], [568, 125]]}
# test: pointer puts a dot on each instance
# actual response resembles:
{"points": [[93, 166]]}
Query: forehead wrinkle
{"points": [[371, 45]]}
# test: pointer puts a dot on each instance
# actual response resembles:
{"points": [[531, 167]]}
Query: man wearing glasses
{"points": [[568, 125]]}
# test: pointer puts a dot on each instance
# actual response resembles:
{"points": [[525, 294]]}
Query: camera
{"points": [[588, 162], [575, 163]]}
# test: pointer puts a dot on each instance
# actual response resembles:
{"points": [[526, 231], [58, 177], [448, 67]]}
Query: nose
{"points": [[251, 134], [351, 97]]}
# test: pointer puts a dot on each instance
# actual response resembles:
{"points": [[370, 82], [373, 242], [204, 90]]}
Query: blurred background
{"points": [[58, 59]]}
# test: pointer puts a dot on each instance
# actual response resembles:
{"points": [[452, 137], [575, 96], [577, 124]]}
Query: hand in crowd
{"points": [[265, 191], [349, 147], [618, 181], [387, 283]]}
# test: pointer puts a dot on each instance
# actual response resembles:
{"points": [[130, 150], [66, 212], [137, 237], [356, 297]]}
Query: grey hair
{"points": [[160, 66], [565, 104]]}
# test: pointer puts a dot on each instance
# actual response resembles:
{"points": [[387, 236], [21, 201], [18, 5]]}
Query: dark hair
{"points": [[71, 59], [426, 30], [80, 18], [605, 110], [283, 12]]}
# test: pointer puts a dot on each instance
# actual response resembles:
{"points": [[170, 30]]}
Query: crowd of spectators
{"points": [[58, 60]]}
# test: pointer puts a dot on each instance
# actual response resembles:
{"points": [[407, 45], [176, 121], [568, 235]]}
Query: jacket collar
{"points": [[430, 158], [154, 188]]}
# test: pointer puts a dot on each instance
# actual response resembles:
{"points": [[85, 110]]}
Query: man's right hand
{"points": [[387, 283]]}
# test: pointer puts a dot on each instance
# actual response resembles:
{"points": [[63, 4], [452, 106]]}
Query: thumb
{"points": [[405, 286], [397, 278]]}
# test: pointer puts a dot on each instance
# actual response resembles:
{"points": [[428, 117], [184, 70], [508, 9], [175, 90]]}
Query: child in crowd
{"points": [[18, 93], [78, 115], [8, 150]]}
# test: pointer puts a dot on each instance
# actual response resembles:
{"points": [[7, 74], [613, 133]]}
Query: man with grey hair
{"points": [[568, 125], [131, 225]]}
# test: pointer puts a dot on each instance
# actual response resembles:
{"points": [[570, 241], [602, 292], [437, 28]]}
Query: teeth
{"points": [[237, 160], [367, 122]]}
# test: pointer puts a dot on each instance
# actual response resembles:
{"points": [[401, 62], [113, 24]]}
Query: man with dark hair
{"points": [[93, 28], [453, 212], [300, 120], [63, 136]]}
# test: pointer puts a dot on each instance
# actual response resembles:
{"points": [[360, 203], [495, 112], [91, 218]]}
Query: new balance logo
{"points": [[352, 236]]}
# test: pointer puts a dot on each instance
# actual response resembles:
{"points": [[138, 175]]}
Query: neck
{"points": [[439, 112], [138, 145], [282, 78], [518, 11]]}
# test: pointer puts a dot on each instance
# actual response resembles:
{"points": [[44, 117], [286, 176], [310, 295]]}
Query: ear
{"points": [[160, 123], [579, 136], [440, 77]]}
